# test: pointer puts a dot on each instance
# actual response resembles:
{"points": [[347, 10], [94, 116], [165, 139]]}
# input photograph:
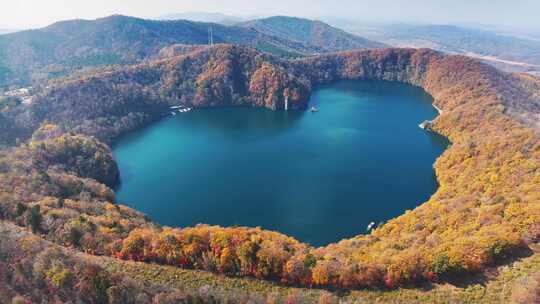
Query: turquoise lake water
{"points": [[319, 177]]}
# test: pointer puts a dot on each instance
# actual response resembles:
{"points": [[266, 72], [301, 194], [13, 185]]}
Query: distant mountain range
{"points": [[316, 34], [27, 57], [507, 51], [204, 17], [6, 31], [58, 49]]}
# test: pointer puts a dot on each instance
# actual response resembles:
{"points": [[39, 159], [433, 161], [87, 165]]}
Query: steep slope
{"points": [[111, 101], [58, 49], [45, 264], [486, 211], [27, 57], [314, 33]]}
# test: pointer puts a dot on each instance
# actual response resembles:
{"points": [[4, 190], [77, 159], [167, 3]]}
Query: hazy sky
{"points": [[514, 13]]}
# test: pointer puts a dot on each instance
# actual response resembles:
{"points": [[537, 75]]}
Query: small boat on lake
{"points": [[313, 110], [179, 109], [426, 125]]}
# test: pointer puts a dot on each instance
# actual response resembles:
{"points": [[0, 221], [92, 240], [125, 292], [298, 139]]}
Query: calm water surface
{"points": [[319, 177]]}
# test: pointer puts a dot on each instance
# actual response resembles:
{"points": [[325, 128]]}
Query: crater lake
{"points": [[316, 176]]}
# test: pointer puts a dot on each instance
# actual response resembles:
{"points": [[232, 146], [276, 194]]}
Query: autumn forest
{"points": [[59, 216]]}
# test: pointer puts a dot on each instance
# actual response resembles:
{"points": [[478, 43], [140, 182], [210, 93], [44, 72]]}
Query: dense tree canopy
{"points": [[486, 209]]}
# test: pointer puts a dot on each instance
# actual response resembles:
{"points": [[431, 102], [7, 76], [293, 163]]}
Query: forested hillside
{"points": [[62, 47], [30, 56], [110, 102], [486, 212], [316, 34]]}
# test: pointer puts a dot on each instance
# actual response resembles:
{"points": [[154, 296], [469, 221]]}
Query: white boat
{"points": [[426, 125], [173, 113], [313, 110]]}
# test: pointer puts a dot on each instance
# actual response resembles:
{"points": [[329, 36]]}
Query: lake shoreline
{"points": [[245, 123]]}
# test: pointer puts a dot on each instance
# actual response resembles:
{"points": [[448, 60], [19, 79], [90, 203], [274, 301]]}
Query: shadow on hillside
{"points": [[491, 272], [468, 280]]}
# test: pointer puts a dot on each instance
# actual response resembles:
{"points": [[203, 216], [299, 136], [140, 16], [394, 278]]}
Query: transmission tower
{"points": [[210, 36]]}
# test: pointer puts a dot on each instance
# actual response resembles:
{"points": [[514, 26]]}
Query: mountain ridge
{"points": [[510, 52], [203, 17], [60, 48], [57, 182], [314, 32]]}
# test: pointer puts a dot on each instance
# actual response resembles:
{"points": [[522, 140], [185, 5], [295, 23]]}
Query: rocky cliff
{"points": [[109, 102], [486, 210]]}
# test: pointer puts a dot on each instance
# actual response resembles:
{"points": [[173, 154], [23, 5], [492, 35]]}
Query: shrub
{"points": [[33, 218], [443, 265], [59, 277], [20, 209]]}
